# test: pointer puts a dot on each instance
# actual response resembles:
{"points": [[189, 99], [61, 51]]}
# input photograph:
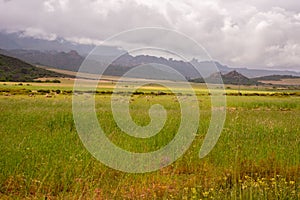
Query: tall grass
{"points": [[256, 157]]}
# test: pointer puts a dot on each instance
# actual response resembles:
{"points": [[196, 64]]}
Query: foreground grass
{"points": [[256, 157]]}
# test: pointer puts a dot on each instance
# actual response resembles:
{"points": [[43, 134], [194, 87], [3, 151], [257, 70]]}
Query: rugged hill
{"points": [[232, 77], [62, 60], [236, 78], [187, 69], [12, 69]]}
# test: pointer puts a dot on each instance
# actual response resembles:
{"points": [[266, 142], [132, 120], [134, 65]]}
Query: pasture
{"points": [[42, 156]]}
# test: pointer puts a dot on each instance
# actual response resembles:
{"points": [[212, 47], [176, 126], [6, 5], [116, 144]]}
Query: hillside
{"points": [[236, 78], [12, 69], [254, 73], [62, 60], [279, 80], [232, 77], [275, 77]]}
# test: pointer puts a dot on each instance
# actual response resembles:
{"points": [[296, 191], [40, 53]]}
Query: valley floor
{"points": [[41, 155]]}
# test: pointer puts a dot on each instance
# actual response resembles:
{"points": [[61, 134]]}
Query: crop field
{"points": [[42, 157]]}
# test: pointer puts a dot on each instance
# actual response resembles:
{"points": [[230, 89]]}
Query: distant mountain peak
{"points": [[232, 77], [73, 53], [235, 75]]}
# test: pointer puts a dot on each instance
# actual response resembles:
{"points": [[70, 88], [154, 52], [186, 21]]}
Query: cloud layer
{"points": [[260, 34]]}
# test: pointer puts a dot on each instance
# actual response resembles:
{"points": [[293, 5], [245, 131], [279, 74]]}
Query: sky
{"points": [[254, 34]]}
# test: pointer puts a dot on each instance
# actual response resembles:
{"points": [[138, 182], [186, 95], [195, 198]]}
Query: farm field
{"points": [[108, 83], [42, 156], [285, 82]]}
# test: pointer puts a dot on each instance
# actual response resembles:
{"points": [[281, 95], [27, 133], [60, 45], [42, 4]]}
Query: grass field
{"points": [[256, 157], [285, 82]]}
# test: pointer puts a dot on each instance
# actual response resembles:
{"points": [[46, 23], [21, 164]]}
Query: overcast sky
{"points": [[254, 34]]}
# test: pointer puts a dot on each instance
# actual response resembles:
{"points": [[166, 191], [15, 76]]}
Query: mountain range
{"points": [[61, 60], [13, 69], [62, 54]]}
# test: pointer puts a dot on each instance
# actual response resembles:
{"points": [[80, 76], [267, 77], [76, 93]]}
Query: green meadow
{"points": [[42, 157]]}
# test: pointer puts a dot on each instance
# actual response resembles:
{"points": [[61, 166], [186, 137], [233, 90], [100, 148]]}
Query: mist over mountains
{"points": [[18, 40], [62, 54]]}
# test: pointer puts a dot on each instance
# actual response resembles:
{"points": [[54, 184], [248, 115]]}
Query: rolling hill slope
{"points": [[12, 69]]}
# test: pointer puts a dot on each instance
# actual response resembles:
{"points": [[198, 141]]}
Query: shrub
{"points": [[43, 91], [56, 81]]}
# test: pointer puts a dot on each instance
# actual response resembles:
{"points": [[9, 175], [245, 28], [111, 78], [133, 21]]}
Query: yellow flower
{"points": [[194, 191], [292, 182], [246, 177], [273, 182], [255, 184], [205, 194]]}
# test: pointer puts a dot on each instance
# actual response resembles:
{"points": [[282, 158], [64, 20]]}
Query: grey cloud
{"points": [[255, 34]]}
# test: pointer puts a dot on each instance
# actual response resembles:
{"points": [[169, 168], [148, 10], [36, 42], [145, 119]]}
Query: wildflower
{"points": [[272, 179], [194, 191], [273, 182], [244, 186], [205, 194], [292, 182], [255, 184]]}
